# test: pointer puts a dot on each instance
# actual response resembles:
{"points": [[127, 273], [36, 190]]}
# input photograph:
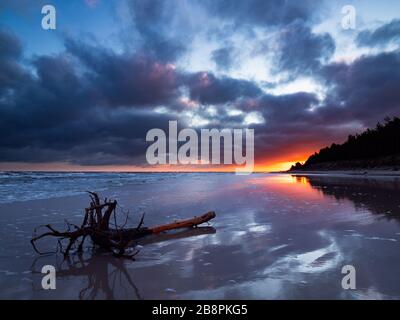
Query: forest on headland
{"points": [[377, 148]]}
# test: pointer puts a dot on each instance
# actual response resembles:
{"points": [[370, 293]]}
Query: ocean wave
{"points": [[23, 186]]}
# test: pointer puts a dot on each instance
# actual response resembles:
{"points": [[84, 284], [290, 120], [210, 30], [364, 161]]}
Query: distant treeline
{"points": [[381, 142]]}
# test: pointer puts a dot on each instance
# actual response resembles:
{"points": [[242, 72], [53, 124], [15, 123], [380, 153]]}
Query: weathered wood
{"points": [[189, 223], [96, 225]]}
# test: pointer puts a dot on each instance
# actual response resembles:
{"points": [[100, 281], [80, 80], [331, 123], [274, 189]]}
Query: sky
{"points": [[83, 96]]}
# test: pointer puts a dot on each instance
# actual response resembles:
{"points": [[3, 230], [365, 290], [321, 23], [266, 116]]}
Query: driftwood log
{"points": [[96, 226]]}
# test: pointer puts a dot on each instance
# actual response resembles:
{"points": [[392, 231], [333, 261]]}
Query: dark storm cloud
{"points": [[153, 20], [366, 90], [83, 113], [290, 124], [117, 137], [301, 51], [288, 107], [10, 53], [381, 36], [224, 57], [208, 89], [166, 33], [359, 94], [247, 13], [59, 113], [9, 45], [137, 80], [126, 79], [89, 105]]}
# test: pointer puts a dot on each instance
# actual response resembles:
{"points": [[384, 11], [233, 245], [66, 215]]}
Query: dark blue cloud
{"points": [[224, 58], [9, 45], [11, 73], [125, 79], [365, 90], [381, 36], [153, 19], [92, 105], [89, 105], [250, 13], [301, 51], [208, 89]]}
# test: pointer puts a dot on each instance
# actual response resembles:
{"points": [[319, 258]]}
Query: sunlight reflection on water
{"points": [[274, 237]]}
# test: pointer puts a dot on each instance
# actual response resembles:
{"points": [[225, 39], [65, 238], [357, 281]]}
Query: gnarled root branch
{"points": [[96, 225]]}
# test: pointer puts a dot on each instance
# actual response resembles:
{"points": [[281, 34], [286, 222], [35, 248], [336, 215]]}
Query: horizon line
{"points": [[122, 171]]}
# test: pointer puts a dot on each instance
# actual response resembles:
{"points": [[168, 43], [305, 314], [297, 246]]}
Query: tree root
{"points": [[96, 226]]}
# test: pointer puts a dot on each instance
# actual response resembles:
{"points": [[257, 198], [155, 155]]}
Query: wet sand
{"points": [[355, 172], [275, 236]]}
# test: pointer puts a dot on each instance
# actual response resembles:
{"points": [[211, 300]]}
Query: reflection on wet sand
{"points": [[181, 234], [276, 236], [378, 195], [106, 275], [295, 253], [101, 273]]}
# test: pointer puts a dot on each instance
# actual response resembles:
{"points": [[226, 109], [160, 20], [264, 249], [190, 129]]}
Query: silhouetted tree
{"points": [[382, 141]]}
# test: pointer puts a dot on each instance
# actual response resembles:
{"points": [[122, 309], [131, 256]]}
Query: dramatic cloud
{"points": [[10, 53], [381, 36], [155, 21], [224, 57], [200, 63], [92, 106], [301, 51], [207, 89], [126, 79], [246, 13], [59, 115], [9, 45], [365, 89]]}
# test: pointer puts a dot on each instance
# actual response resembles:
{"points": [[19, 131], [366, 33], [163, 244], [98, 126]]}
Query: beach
{"points": [[348, 172], [275, 236]]}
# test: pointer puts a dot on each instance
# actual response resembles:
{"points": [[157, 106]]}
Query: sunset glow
{"points": [[83, 96]]}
